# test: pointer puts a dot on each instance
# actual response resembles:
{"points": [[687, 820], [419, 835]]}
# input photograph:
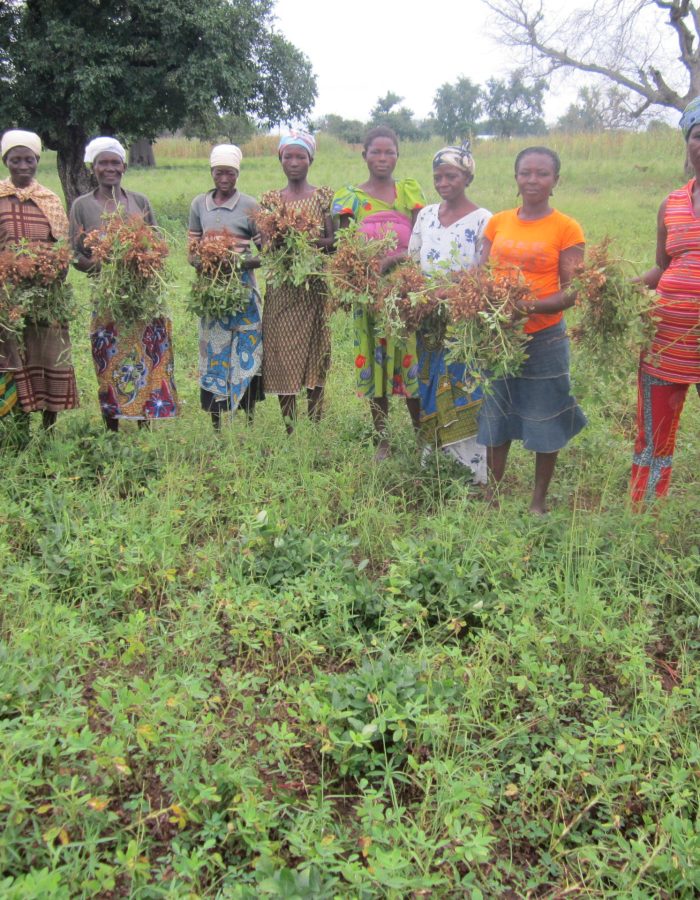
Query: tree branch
{"points": [[522, 24]]}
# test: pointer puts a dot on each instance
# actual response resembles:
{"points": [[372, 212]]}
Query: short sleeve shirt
{"points": [[235, 215], [532, 248]]}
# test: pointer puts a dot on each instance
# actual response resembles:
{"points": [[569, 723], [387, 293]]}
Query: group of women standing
{"points": [[539, 243], [283, 347]]}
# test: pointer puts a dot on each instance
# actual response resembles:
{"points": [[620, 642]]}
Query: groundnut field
{"points": [[248, 664]]}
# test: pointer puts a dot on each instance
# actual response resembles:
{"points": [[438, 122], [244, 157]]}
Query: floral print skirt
{"points": [[134, 367], [383, 365]]}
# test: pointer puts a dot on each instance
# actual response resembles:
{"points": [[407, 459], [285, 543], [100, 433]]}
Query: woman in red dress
{"points": [[672, 363]]}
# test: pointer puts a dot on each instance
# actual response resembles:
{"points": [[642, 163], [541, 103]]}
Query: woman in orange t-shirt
{"points": [[545, 247]]}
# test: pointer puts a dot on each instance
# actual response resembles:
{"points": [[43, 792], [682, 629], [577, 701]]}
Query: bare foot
{"points": [[383, 450], [491, 497], [538, 509]]}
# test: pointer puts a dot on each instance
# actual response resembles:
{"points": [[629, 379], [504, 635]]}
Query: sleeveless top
{"points": [[675, 351]]}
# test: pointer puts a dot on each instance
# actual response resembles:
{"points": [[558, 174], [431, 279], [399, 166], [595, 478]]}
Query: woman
{"points": [[380, 205], [545, 247], [36, 372], [672, 363], [133, 362], [295, 330], [230, 349], [449, 234]]}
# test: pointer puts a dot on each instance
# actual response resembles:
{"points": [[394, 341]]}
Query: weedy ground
{"points": [[251, 665]]}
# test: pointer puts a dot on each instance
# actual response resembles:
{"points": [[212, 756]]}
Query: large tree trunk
{"points": [[141, 154], [75, 178]]}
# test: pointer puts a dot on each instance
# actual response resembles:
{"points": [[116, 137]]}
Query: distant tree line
{"points": [[502, 108]]}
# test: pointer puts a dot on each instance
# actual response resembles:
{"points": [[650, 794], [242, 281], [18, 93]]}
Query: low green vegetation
{"points": [[249, 665]]}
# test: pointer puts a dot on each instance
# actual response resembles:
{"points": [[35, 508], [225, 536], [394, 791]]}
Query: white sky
{"points": [[423, 45]]}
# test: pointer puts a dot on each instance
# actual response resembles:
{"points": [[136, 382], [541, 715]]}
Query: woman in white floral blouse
{"points": [[448, 234]]}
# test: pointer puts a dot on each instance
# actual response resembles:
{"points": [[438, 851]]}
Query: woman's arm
{"points": [[76, 235], [194, 234], [652, 277], [569, 260], [149, 216], [485, 252], [193, 238], [415, 242], [327, 242]]}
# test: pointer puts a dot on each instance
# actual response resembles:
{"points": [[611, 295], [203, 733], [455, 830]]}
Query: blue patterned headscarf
{"points": [[456, 156], [298, 139], [690, 117]]}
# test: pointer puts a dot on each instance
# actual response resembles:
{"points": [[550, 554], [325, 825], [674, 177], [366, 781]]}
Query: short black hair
{"points": [[545, 151], [381, 131]]}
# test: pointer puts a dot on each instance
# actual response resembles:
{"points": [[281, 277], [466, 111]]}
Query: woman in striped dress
{"points": [[36, 372], [672, 363]]}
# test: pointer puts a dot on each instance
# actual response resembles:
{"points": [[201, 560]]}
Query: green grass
{"points": [[253, 665]]}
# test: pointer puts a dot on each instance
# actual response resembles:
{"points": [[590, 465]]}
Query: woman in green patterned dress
{"points": [[383, 364]]}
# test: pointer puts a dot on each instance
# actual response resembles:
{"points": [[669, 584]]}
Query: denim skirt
{"points": [[536, 406]]}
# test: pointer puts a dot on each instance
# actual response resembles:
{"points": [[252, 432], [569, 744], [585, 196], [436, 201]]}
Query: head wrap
{"points": [[18, 138], [298, 139], [690, 117], [104, 145], [456, 156], [226, 155]]}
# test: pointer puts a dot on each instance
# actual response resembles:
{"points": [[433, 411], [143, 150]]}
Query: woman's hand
{"points": [[391, 261], [85, 264], [651, 278], [524, 308], [247, 262]]}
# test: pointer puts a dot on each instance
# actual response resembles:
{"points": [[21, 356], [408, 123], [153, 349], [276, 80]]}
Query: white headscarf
{"points": [[104, 145], [226, 155], [17, 138]]}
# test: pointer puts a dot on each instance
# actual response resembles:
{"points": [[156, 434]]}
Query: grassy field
{"points": [[252, 665]]}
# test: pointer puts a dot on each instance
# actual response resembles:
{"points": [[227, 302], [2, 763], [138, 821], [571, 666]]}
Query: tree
{"points": [[401, 119], [352, 131], [457, 108], [625, 41], [71, 69], [514, 106], [597, 110], [228, 127], [384, 106]]}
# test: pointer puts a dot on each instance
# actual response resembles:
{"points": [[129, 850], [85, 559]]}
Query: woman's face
{"points": [[381, 157], [295, 162], [109, 169], [225, 178], [694, 147], [21, 163], [450, 181], [536, 177]]}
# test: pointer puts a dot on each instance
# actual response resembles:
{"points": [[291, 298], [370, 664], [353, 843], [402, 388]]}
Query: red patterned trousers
{"points": [[659, 407]]}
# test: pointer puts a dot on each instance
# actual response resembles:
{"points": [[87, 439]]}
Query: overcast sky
{"points": [[422, 46]]}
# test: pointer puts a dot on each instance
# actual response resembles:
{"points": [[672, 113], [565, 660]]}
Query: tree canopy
{"points": [[598, 109], [401, 120], [458, 107], [514, 106], [650, 48], [70, 69]]}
